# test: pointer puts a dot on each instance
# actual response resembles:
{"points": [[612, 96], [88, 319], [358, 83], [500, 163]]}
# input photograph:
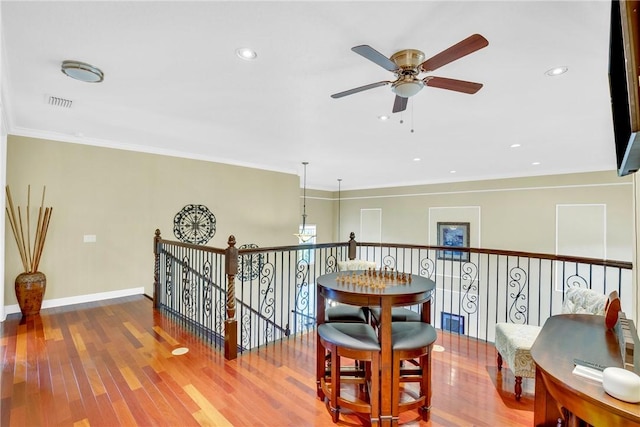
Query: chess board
{"points": [[375, 279]]}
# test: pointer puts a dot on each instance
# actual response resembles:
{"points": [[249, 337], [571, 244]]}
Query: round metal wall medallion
{"points": [[194, 224]]}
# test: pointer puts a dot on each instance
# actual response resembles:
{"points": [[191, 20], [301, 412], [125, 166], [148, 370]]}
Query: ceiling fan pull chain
{"points": [[412, 116]]}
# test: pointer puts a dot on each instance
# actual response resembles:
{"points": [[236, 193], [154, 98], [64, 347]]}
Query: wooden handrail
{"points": [[627, 265]]}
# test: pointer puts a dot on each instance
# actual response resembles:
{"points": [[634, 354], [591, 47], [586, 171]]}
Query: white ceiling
{"points": [[173, 85]]}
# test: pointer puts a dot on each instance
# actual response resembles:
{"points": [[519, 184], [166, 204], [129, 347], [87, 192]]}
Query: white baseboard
{"points": [[79, 299]]}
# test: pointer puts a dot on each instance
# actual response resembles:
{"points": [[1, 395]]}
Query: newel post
{"points": [[231, 325], [352, 246], [156, 268]]}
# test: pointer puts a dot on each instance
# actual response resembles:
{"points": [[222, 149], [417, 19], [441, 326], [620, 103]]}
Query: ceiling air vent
{"points": [[60, 102]]}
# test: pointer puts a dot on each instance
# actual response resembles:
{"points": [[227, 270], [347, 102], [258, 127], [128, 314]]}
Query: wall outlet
{"points": [[89, 238]]}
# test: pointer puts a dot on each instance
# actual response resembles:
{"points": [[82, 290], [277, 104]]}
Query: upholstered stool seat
{"points": [[411, 340], [513, 342], [398, 314], [346, 314], [357, 341]]}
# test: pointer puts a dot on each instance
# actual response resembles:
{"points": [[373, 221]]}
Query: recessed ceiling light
{"points": [[383, 118], [246, 54], [535, 163], [452, 171], [514, 145], [81, 71], [416, 159], [556, 71]]}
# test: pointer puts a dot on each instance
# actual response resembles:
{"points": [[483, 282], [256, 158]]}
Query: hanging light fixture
{"points": [[339, 182], [303, 236]]}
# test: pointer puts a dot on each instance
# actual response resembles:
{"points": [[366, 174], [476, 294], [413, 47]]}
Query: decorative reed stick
{"points": [[30, 255]]}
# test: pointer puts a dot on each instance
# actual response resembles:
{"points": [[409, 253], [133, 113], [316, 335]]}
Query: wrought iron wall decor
{"points": [[250, 264], [194, 224]]}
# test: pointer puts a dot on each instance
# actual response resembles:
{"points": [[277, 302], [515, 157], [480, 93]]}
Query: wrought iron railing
{"points": [[244, 298]]}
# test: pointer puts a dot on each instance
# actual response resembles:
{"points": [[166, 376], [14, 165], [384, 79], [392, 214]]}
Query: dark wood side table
{"points": [[417, 291], [582, 336]]}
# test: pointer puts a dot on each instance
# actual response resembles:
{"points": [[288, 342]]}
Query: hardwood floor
{"points": [[110, 363]]}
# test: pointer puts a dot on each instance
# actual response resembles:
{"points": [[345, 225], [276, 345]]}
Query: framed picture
{"points": [[452, 322], [455, 235]]}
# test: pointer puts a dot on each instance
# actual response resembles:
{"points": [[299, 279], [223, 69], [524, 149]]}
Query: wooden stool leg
{"points": [[518, 388], [499, 361], [335, 385], [425, 385], [374, 391], [395, 387], [366, 367]]}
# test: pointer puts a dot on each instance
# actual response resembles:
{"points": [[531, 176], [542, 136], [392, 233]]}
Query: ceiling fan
{"points": [[409, 63]]}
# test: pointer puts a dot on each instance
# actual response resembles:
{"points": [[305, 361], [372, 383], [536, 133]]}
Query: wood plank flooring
{"points": [[110, 363]]}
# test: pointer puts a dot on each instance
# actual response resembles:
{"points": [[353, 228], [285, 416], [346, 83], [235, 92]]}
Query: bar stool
{"points": [[356, 341], [345, 313], [412, 340]]}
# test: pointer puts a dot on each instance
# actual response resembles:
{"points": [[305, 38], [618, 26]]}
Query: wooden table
{"points": [[417, 291], [581, 336]]}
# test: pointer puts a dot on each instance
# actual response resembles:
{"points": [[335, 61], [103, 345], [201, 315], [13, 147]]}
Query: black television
{"points": [[623, 84]]}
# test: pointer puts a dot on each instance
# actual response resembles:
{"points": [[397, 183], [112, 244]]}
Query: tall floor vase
{"points": [[30, 288]]}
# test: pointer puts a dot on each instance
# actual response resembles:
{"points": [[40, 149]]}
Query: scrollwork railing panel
{"points": [[518, 283], [267, 303], [469, 280], [302, 291]]}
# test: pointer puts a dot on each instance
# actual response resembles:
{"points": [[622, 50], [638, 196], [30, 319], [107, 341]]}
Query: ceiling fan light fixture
{"points": [[407, 88], [82, 71]]}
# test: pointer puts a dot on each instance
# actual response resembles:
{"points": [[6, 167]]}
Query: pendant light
{"points": [[339, 184], [302, 235]]}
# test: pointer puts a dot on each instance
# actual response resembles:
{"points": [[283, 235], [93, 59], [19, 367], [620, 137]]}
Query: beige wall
{"points": [[122, 197], [527, 214], [512, 214]]}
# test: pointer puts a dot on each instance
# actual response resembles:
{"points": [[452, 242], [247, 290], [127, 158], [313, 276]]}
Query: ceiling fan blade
{"points": [[457, 51], [452, 84], [359, 89], [400, 104], [374, 56]]}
